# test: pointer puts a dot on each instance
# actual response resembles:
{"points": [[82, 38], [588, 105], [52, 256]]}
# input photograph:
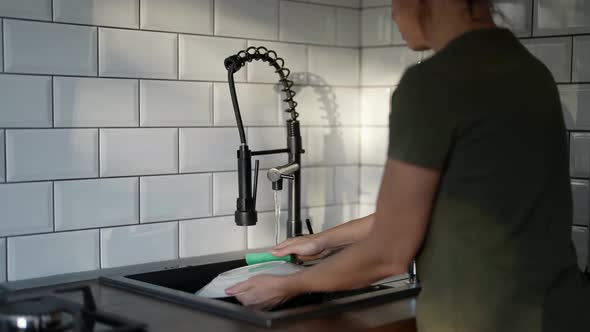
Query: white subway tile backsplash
{"points": [[555, 17], [26, 101], [575, 102], [317, 187], [324, 218], [376, 26], [385, 66], [515, 15], [374, 3], [190, 16], [44, 154], [201, 58], [295, 57], [375, 106], [129, 53], [26, 208], [346, 184], [49, 48], [182, 104], [580, 155], [344, 3], [348, 27], [581, 58], [96, 203], [581, 199], [334, 66], [51, 254], [94, 102], [247, 18], [263, 235], [555, 53], [211, 236], [259, 105], [267, 139], [366, 210], [186, 196], [2, 260], [144, 151], [225, 193], [580, 240], [118, 13], [30, 9], [208, 149], [370, 184], [307, 23], [375, 142], [328, 106], [332, 146], [141, 244]]}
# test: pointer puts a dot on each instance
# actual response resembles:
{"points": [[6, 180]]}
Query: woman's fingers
{"points": [[238, 288]]}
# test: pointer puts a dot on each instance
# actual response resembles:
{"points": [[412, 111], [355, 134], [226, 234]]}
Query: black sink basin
{"points": [[179, 285]]}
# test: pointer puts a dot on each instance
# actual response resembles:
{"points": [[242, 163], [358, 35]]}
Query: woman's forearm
{"points": [[348, 233]]}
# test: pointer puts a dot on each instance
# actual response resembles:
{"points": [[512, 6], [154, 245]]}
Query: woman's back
{"points": [[487, 113]]}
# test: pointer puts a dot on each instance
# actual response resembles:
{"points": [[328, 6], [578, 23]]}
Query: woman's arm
{"points": [[321, 244], [403, 210]]}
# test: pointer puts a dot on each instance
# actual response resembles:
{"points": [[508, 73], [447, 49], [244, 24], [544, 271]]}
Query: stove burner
{"points": [[35, 315], [53, 314]]}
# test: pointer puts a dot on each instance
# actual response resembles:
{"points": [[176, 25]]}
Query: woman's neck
{"points": [[448, 23]]}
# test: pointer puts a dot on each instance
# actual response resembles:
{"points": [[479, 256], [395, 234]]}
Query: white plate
{"points": [[216, 288]]}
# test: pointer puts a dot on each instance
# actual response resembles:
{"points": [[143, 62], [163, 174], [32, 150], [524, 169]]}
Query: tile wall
{"points": [[117, 138], [556, 31], [117, 134]]}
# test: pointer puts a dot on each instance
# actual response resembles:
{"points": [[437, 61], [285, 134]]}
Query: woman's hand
{"points": [[306, 248], [265, 291]]}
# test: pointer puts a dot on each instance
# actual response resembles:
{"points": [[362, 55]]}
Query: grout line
{"points": [[97, 52], [572, 61], [138, 200], [5, 157], [139, 14], [3, 47], [139, 83], [313, 166], [213, 5], [53, 101], [99, 154], [169, 221], [181, 33], [532, 18], [273, 126], [181, 80], [53, 203], [178, 56], [99, 249], [52, 11], [178, 150]]}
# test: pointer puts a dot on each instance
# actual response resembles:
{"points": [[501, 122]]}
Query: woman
{"points": [[476, 186]]}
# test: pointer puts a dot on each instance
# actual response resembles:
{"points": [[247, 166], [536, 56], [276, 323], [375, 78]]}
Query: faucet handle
{"points": [[255, 189]]}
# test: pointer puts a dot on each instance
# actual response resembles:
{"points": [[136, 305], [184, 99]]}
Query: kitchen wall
{"points": [[556, 31], [117, 136]]}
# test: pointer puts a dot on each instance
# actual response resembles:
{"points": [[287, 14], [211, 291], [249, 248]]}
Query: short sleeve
{"points": [[421, 122]]}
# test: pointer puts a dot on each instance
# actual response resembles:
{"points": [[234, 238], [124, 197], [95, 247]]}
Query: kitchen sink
{"points": [[178, 285]]}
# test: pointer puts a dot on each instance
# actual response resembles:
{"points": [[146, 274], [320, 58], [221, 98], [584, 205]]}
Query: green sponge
{"points": [[263, 257]]}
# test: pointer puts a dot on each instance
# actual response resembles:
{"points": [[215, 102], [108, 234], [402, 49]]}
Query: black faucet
{"points": [[246, 214]]}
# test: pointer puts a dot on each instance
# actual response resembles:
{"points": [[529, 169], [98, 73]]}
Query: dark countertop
{"points": [[162, 316]]}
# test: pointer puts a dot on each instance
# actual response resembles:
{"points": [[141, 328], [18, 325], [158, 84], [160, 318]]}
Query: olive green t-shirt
{"points": [[498, 254]]}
